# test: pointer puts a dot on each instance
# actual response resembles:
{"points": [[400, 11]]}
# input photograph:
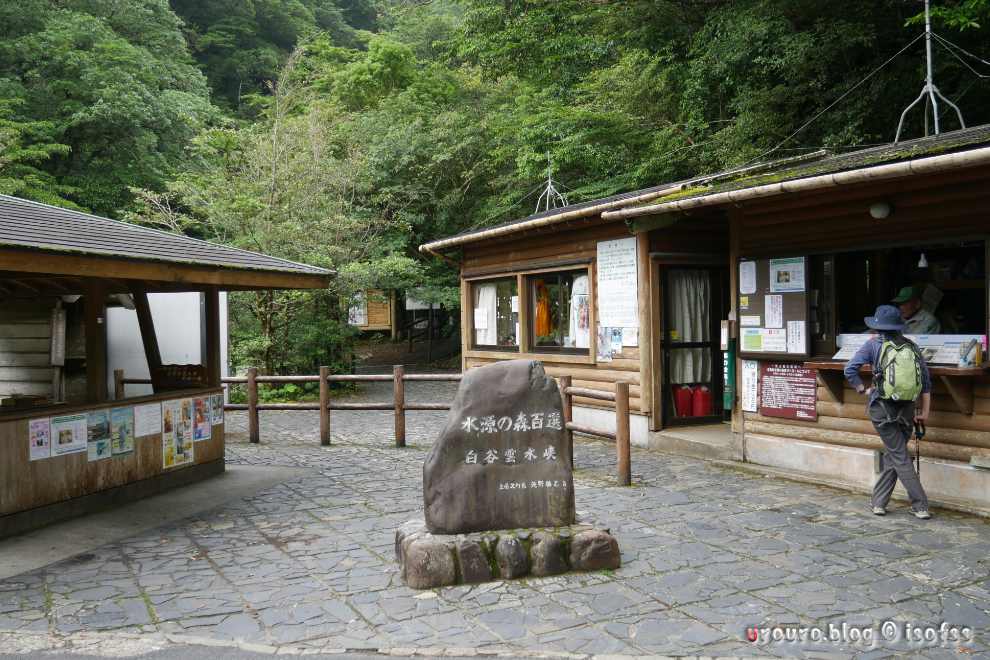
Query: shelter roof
{"points": [[76, 243], [790, 169]]}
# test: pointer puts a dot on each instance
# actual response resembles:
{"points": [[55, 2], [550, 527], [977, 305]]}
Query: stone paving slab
{"points": [[308, 565]]}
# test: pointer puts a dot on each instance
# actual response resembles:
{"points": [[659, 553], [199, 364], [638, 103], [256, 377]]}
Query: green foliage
{"points": [[112, 84]]}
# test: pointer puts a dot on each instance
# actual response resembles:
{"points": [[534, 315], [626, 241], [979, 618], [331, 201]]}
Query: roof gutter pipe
{"points": [[929, 165]]}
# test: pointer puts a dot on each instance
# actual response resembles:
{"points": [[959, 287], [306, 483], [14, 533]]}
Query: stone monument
{"points": [[498, 488]]}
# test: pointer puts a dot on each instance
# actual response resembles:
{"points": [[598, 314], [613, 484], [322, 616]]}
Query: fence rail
{"points": [[399, 406]]}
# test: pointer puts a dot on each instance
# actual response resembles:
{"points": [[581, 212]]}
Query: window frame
{"points": [[472, 341], [525, 349], [530, 280]]}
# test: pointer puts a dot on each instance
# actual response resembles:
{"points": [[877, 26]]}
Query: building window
{"points": [[560, 311], [496, 313]]}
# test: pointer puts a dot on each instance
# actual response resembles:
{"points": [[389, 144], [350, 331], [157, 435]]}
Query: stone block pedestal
{"points": [[437, 560]]}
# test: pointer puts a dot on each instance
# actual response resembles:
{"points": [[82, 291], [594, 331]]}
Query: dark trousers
{"points": [[894, 421]]}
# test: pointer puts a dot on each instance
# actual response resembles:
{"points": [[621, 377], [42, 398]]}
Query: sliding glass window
{"points": [[495, 318], [560, 311]]}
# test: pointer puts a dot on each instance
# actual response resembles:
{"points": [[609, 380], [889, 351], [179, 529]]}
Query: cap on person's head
{"points": [[904, 295], [887, 317]]}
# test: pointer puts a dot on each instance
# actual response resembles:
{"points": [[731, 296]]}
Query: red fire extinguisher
{"points": [[701, 402]]}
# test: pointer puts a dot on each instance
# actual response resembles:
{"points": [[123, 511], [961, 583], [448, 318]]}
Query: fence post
{"points": [[622, 433], [565, 382], [399, 388], [254, 434], [324, 407], [118, 384]]}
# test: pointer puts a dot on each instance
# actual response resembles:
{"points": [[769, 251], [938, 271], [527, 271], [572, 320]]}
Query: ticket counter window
{"points": [[496, 314], [948, 283], [560, 311]]}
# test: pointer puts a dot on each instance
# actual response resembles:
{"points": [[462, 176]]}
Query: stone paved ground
{"points": [[308, 565]]}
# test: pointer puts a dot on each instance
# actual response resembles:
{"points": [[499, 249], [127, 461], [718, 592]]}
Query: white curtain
{"points": [[579, 328], [690, 304], [485, 316]]}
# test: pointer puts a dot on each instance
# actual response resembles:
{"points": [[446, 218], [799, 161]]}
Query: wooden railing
{"points": [[399, 406], [621, 436]]}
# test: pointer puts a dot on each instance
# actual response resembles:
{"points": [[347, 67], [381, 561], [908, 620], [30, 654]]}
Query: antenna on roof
{"points": [[930, 89], [550, 198]]}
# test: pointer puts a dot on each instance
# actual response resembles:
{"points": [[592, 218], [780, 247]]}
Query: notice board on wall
{"points": [[773, 307]]}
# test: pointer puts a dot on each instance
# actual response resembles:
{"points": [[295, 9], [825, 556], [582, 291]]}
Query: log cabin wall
{"points": [[931, 209], [572, 246], [567, 247]]}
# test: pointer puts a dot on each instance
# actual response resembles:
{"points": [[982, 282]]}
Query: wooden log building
{"points": [[730, 302], [66, 446]]}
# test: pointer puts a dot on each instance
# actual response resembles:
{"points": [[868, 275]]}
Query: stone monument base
{"points": [[434, 560]]}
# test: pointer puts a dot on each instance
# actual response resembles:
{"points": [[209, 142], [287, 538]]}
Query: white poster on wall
{"points": [[747, 277], [796, 342], [618, 302], [750, 385], [147, 419], [773, 307], [787, 275]]}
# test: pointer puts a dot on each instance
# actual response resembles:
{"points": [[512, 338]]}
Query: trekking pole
{"points": [[919, 433]]}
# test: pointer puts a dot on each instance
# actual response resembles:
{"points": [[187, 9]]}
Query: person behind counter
{"points": [[892, 406], [917, 319]]}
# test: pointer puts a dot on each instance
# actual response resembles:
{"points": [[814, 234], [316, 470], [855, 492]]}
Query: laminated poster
{"points": [[98, 435], [147, 420], [774, 340], [749, 321], [40, 438], [796, 342], [618, 302], [752, 339], [604, 344], [216, 409], [630, 336], [177, 443], [750, 385], [747, 278], [202, 419], [787, 275], [773, 306], [121, 431], [616, 340], [69, 434]]}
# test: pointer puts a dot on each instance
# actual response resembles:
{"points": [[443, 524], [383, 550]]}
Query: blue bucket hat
{"points": [[887, 317]]}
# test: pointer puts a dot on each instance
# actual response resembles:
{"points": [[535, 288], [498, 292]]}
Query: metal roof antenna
{"points": [[930, 89], [550, 198]]}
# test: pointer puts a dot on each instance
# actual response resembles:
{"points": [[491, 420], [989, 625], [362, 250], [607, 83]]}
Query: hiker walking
{"points": [[900, 379]]}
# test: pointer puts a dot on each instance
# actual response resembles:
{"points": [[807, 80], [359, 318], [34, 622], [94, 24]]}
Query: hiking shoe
{"points": [[923, 514], [879, 511]]}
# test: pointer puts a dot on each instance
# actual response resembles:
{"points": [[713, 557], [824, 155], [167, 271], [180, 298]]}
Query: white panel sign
{"points": [[750, 385], [147, 420], [618, 302]]}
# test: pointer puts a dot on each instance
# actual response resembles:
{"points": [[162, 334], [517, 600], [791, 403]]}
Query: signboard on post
{"points": [[788, 391]]}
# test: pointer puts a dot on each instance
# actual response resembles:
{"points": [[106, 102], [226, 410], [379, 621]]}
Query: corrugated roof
{"points": [[778, 171], [36, 226]]}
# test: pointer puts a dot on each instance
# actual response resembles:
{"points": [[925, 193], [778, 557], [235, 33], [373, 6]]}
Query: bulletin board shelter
{"points": [[751, 287], [59, 271]]}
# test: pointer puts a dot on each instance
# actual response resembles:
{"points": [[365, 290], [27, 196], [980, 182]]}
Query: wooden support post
{"points": [[622, 433], [645, 336], [211, 361], [148, 336], [254, 432], [118, 384], [399, 388], [566, 401], [324, 407], [96, 341]]}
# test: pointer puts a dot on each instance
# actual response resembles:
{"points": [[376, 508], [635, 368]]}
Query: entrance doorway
{"points": [[695, 300]]}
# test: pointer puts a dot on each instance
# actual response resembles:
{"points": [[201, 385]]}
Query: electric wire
{"points": [[836, 101], [950, 48]]}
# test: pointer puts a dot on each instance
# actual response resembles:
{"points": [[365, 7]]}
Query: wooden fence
{"points": [[399, 406]]}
